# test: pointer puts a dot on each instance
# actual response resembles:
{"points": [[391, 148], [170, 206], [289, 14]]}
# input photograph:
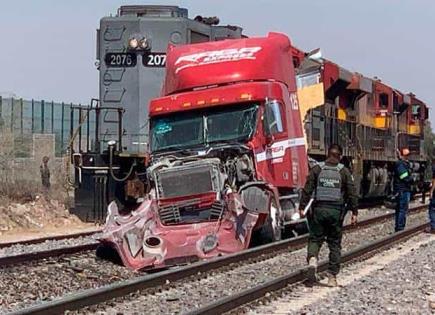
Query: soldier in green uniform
{"points": [[332, 188]]}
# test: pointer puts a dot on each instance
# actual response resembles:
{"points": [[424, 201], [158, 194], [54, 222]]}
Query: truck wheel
{"points": [[299, 229], [271, 230]]}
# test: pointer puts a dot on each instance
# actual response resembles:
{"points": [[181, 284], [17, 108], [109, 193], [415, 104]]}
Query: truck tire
{"points": [[271, 230], [292, 229], [299, 229]]}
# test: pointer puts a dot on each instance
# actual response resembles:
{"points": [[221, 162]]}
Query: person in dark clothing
{"points": [[331, 186], [431, 229], [45, 173], [422, 184], [402, 187]]}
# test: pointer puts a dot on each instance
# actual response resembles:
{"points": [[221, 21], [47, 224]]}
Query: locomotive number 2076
{"points": [[154, 60], [120, 59]]}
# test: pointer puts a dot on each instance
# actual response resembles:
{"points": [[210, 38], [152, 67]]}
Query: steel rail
{"points": [[247, 296], [49, 238], [66, 250], [384, 217], [89, 297], [31, 256]]}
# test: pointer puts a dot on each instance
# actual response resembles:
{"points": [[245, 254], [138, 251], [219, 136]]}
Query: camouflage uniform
{"points": [[325, 219]]}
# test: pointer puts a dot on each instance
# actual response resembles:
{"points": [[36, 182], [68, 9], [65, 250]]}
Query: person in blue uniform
{"points": [[402, 187], [431, 228]]}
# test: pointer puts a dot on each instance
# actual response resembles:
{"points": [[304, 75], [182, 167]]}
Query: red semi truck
{"points": [[227, 143], [229, 149]]}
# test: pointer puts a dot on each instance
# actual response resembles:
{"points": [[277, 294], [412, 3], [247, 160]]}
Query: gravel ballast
{"points": [[398, 281], [17, 249], [50, 244], [43, 280], [26, 284], [189, 294]]}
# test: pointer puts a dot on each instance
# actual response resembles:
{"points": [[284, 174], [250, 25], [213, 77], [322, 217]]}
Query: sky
{"points": [[47, 47]]}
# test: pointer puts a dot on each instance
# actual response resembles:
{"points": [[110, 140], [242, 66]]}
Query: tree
{"points": [[429, 139]]}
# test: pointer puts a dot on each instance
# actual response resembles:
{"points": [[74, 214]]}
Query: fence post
{"points": [[61, 130], [52, 117], [1, 113], [21, 115], [12, 114], [80, 128], [42, 115], [33, 116], [87, 130], [71, 130]]}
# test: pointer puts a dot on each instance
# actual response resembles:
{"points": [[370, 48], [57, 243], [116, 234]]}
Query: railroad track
{"points": [[49, 253], [73, 249], [94, 296], [51, 246], [48, 238], [250, 295]]}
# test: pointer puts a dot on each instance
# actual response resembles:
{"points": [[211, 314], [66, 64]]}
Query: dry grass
{"points": [[24, 204], [42, 212]]}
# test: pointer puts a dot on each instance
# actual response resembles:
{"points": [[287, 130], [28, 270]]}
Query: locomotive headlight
{"points": [[133, 43], [144, 43]]}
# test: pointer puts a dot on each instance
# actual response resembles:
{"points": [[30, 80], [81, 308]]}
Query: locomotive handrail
{"points": [[120, 111]]}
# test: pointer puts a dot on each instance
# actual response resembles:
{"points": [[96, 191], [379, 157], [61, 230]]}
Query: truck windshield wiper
{"points": [[232, 142], [236, 141], [175, 148]]}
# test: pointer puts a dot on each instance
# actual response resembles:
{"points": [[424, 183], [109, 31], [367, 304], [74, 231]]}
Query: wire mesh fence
{"points": [[22, 118]]}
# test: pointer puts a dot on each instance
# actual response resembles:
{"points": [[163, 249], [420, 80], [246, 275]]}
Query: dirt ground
{"points": [[38, 218]]}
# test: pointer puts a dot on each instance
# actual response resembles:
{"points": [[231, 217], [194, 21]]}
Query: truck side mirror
{"points": [[266, 127], [272, 122]]}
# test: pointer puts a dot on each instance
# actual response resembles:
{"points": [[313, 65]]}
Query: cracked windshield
{"points": [[196, 128]]}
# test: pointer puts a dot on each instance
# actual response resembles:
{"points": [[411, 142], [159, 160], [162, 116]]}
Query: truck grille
{"points": [[189, 179], [189, 212]]}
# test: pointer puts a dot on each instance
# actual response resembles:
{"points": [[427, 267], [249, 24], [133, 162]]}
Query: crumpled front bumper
{"points": [[143, 242]]}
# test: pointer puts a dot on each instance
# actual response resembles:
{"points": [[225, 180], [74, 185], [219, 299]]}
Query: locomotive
{"points": [[131, 58], [261, 111], [231, 139], [369, 119]]}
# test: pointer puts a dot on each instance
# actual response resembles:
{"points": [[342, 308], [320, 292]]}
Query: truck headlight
{"points": [[208, 243]]}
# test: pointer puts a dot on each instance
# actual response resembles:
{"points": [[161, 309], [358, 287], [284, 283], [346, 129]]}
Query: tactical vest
{"points": [[329, 183]]}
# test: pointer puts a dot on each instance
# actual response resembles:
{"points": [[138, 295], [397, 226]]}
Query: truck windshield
{"points": [[201, 127]]}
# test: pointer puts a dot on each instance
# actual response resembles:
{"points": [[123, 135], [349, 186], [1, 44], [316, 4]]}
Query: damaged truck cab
{"points": [[228, 155]]}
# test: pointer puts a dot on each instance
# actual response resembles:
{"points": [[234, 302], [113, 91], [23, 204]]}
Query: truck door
{"points": [[276, 164]]}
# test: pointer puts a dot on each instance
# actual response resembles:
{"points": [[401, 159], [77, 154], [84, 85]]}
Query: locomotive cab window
{"points": [[308, 79], [416, 111], [273, 121], [196, 37], [383, 101]]}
